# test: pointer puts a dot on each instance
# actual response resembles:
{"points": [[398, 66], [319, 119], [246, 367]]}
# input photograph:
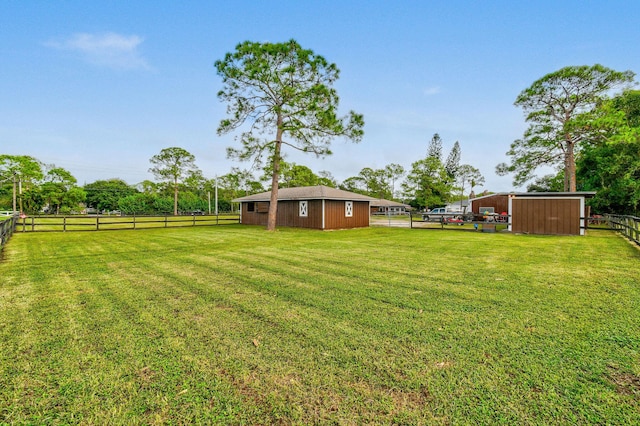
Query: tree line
{"points": [[280, 96], [180, 187]]}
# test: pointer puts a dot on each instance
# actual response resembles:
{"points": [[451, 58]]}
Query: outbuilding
{"points": [[316, 207], [388, 207], [550, 213]]}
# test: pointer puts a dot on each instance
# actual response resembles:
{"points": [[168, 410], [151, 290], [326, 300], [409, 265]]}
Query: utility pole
{"points": [[20, 193], [14, 193], [209, 199], [216, 195]]}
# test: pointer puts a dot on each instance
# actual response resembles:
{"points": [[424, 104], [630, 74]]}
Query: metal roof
{"points": [[319, 192], [586, 194]]}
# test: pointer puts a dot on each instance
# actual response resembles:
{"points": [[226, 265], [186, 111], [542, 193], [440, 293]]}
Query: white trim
{"points": [[303, 208], [323, 226], [348, 208], [582, 210], [509, 215]]}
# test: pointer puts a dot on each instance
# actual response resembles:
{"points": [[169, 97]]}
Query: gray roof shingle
{"points": [[319, 192]]}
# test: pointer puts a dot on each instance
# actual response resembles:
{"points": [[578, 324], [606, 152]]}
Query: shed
{"points": [[551, 213], [494, 203], [316, 207]]}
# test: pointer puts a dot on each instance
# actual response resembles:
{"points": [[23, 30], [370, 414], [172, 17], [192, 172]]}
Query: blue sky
{"points": [[100, 87]]}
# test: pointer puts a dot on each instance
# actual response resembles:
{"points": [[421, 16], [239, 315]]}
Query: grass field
{"points": [[235, 325]]}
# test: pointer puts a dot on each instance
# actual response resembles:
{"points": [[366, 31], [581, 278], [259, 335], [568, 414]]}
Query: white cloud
{"points": [[433, 90], [110, 50]]}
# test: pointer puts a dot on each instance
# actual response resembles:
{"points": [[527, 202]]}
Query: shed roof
{"points": [[318, 192], [585, 194]]}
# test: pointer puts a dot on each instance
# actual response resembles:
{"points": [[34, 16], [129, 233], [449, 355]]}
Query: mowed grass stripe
{"points": [[288, 264], [183, 327], [187, 325], [267, 334], [256, 323], [120, 339], [251, 277]]}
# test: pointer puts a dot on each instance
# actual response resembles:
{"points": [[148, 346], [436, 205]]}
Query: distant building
{"points": [[388, 207]]}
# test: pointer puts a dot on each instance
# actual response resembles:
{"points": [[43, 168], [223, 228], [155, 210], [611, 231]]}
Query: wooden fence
{"points": [[629, 226], [104, 223], [7, 227]]}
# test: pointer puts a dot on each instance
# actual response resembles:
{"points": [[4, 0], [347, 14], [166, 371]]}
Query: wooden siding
{"points": [[262, 207], [251, 218], [335, 215], [288, 215], [499, 202], [555, 216]]}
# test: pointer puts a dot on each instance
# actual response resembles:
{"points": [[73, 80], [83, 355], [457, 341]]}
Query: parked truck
{"points": [[441, 214]]}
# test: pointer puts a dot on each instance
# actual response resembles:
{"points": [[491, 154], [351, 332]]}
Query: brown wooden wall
{"points": [[499, 202], [251, 218], [335, 218], [555, 216], [288, 215]]}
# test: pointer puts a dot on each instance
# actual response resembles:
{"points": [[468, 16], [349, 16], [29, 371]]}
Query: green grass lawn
{"points": [[235, 325]]}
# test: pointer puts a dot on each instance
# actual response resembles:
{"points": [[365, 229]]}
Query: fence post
{"points": [[64, 224], [97, 222], [165, 220], [134, 221]]}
